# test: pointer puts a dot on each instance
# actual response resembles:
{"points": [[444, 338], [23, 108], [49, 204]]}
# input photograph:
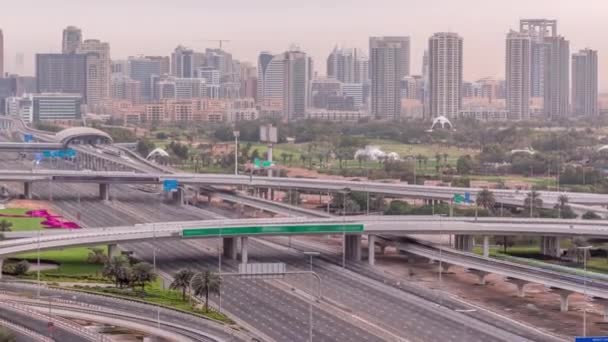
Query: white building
{"points": [[56, 106], [336, 115], [484, 114], [21, 107], [445, 74], [242, 110]]}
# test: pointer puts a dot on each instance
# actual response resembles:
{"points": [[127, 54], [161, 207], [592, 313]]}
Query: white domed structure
{"points": [[527, 150], [443, 122], [157, 152]]}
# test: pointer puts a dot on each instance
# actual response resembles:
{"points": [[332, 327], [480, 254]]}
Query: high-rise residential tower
{"points": [[182, 62], [98, 69], [518, 75], [348, 66], [61, 73], [557, 78], [72, 38], [283, 83], [1, 54], [584, 83], [389, 62], [145, 70], [445, 74], [538, 29]]}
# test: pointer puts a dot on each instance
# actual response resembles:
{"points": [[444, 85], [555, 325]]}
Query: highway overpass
{"points": [[514, 197], [352, 228]]}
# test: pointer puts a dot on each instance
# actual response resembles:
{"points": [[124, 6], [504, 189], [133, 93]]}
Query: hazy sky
{"points": [[156, 26]]}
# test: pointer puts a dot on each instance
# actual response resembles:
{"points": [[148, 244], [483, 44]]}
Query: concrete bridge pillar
{"points": [[104, 191], [443, 267], [113, 250], [230, 247], [480, 274], [563, 298], [27, 190], [486, 246], [371, 249], [244, 249], [353, 247], [520, 286], [604, 303], [1, 265], [464, 242], [550, 246], [179, 196]]}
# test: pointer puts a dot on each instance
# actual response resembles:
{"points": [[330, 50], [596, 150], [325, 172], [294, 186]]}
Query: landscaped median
{"points": [[156, 295]]}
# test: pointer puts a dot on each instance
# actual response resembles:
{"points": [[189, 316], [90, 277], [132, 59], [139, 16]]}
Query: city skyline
{"points": [[579, 26]]}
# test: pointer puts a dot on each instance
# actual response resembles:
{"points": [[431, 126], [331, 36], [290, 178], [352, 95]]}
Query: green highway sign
{"points": [[291, 229], [458, 198], [264, 164]]}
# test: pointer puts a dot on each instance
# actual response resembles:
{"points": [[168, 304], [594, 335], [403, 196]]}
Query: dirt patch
{"points": [[30, 205]]}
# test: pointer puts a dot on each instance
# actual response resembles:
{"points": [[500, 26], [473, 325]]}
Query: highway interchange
{"points": [[358, 305]]}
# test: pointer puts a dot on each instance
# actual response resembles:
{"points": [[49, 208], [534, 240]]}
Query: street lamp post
{"points": [[38, 264], [585, 249], [154, 266], [311, 255], [236, 151]]}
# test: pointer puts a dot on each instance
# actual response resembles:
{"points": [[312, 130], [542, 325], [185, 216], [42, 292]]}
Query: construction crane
{"points": [[220, 41]]}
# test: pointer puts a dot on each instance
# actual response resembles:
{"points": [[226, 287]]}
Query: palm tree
{"points": [[284, 157], [116, 268], [204, 283], [485, 199], [445, 158], [142, 273], [562, 204], [437, 159], [181, 281], [533, 201], [5, 226], [97, 256]]}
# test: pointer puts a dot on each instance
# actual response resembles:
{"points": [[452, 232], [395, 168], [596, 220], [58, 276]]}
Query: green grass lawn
{"points": [[73, 265], [21, 224], [155, 294]]}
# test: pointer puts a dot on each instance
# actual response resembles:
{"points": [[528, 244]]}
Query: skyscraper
{"points": [[538, 29], [584, 83], [557, 78], [182, 62], [518, 75], [283, 83], [389, 63], [1, 54], [347, 66], [72, 38], [98, 69], [445, 74], [145, 70], [62, 73]]}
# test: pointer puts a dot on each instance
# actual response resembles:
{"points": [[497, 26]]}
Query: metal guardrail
{"points": [[531, 274], [63, 323], [25, 331]]}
